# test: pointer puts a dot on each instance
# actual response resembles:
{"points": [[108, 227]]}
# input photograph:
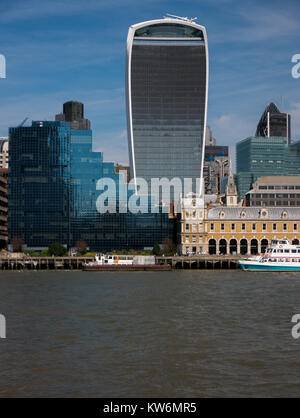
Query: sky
{"points": [[60, 50]]}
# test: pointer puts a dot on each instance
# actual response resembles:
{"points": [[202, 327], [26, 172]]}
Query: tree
{"points": [[81, 247], [17, 244], [156, 249], [169, 248], [57, 249]]}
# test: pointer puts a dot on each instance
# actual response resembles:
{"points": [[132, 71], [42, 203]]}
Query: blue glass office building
{"points": [[53, 174], [39, 194], [265, 156]]}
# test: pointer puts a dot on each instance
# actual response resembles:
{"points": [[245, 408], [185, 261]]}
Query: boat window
{"points": [[286, 251], [298, 251], [274, 251], [294, 251]]}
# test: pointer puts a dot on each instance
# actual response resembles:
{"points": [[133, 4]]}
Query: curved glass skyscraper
{"points": [[166, 92]]}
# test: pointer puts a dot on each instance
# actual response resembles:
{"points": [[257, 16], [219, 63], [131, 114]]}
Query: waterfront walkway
{"points": [[209, 262], [43, 263], [201, 261]]}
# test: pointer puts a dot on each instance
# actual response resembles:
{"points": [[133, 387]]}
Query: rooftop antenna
{"points": [[186, 19]]}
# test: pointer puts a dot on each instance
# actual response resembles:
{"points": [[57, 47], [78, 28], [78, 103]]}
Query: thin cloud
{"points": [[33, 9], [261, 24]]}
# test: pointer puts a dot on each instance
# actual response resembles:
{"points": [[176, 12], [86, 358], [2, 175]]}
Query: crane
{"points": [[22, 123]]}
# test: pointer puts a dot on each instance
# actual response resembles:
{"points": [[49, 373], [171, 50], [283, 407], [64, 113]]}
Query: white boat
{"points": [[102, 259], [125, 263], [280, 256]]}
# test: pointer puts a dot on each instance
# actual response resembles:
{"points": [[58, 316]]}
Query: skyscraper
{"points": [[166, 96], [74, 112], [274, 123], [39, 202]]}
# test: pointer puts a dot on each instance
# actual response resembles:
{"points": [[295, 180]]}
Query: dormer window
{"points": [[264, 213], [243, 214], [222, 214], [284, 214]]}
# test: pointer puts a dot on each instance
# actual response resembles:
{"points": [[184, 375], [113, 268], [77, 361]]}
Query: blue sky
{"points": [[61, 50]]}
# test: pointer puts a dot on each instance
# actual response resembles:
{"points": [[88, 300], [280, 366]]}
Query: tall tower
{"points": [[231, 190], [166, 98], [74, 112], [274, 123]]}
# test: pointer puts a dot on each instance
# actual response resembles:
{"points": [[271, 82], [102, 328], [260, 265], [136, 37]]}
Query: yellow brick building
{"points": [[236, 230]]}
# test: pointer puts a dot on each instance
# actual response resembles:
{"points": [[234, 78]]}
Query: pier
{"points": [[203, 262], [43, 263]]}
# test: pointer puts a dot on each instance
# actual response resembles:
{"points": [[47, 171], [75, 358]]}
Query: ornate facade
{"points": [[236, 230]]}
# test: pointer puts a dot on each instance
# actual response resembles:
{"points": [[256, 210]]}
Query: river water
{"points": [[144, 334]]}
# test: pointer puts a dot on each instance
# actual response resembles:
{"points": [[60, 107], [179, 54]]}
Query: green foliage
{"points": [[156, 249], [31, 253], [44, 253], [56, 249], [131, 252], [89, 255]]}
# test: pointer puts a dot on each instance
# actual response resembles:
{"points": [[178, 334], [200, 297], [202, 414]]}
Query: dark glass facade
{"points": [[274, 123], [166, 100], [52, 194], [39, 184], [265, 156]]}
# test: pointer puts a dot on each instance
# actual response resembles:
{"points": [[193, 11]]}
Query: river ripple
{"points": [[143, 334]]}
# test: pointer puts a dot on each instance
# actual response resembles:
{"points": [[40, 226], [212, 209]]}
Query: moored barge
{"points": [[125, 263]]}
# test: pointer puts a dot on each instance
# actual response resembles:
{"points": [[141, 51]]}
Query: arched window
{"points": [[295, 241], [223, 246], [243, 246], [233, 246], [264, 244], [212, 246], [254, 246]]}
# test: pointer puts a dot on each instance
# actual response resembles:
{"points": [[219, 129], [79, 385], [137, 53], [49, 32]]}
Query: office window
{"points": [[253, 227], [264, 227], [232, 227], [295, 227], [284, 227], [187, 227], [243, 227], [222, 227], [212, 227], [274, 227]]}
